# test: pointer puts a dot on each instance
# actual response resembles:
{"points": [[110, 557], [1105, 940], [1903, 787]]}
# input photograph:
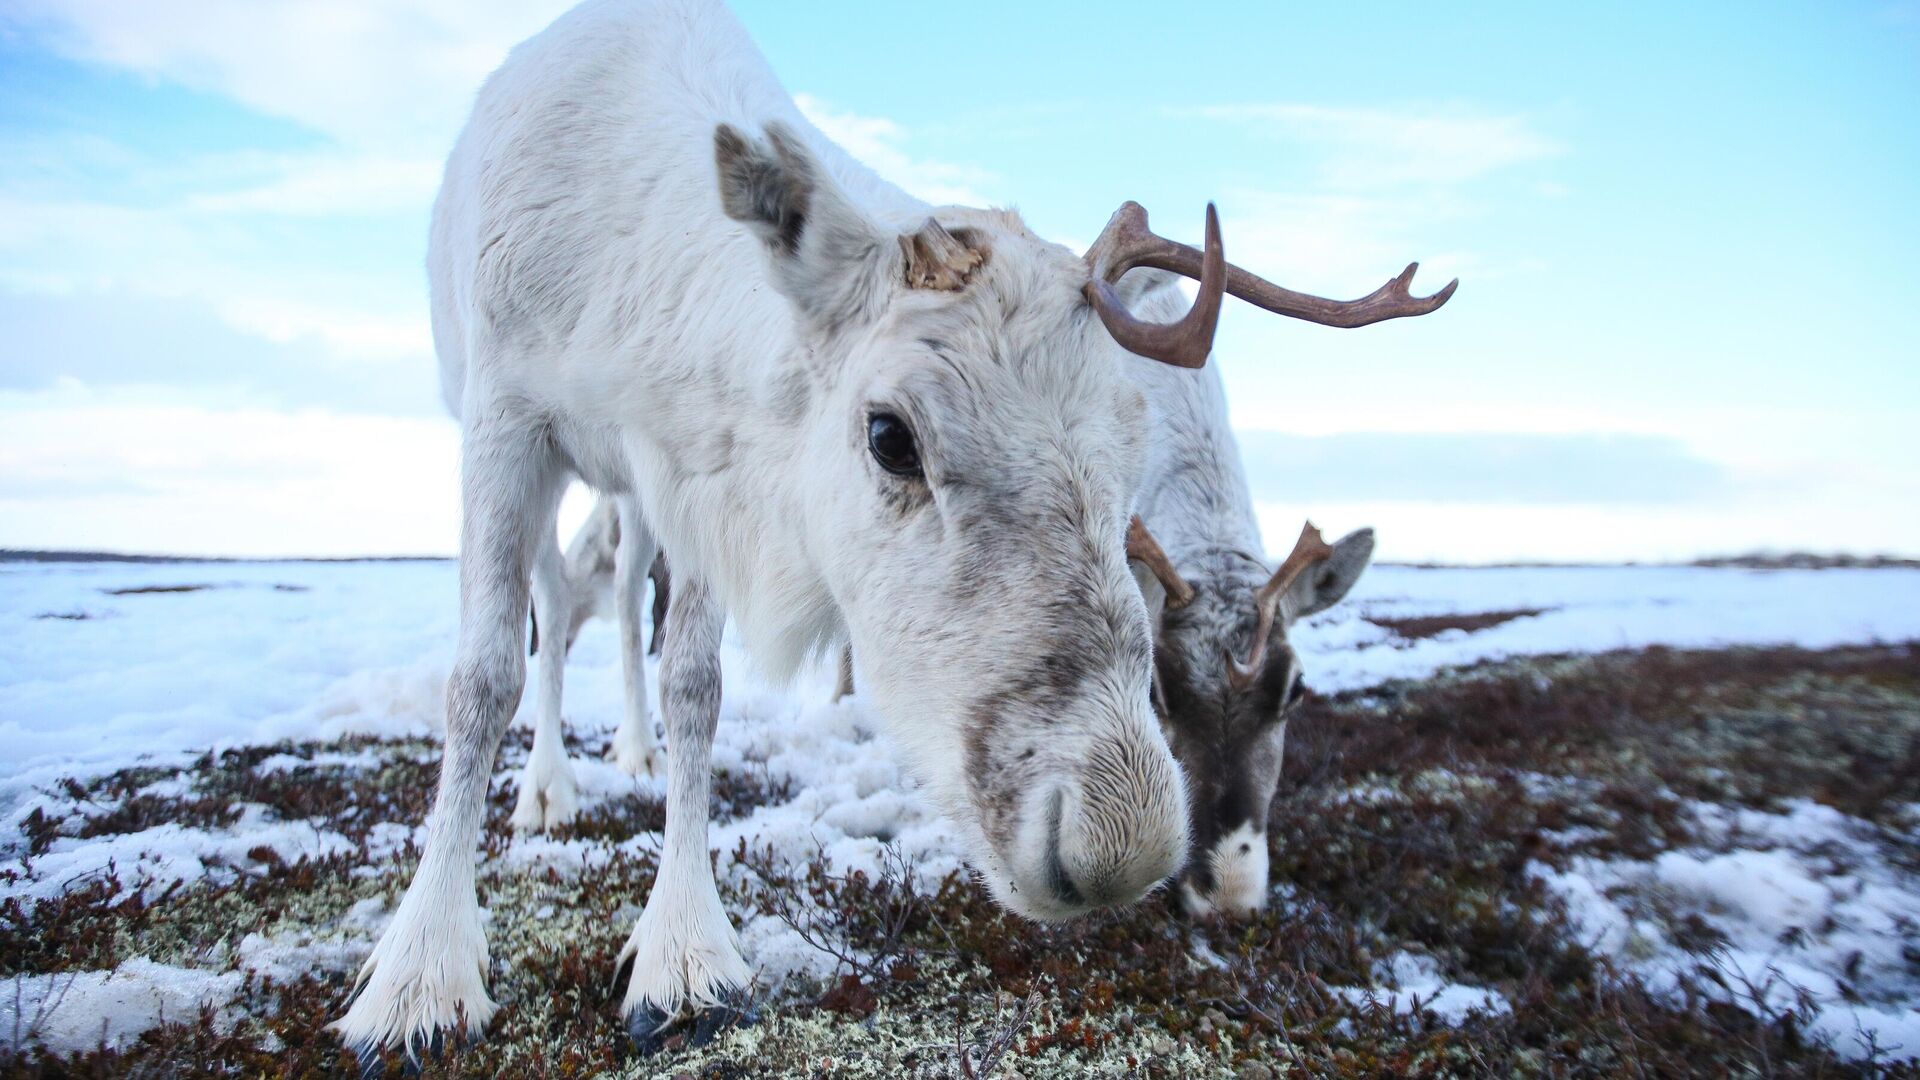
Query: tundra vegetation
{"points": [[1408, 839]]}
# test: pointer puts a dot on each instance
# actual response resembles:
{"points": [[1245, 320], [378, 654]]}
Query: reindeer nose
{"points": [[1059, 880], [1117, 833]]}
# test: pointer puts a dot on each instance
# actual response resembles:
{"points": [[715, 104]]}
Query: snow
{"points": [[155, 859], [314, 651], [1805, 907], [1592, 609], [1414, 983], [274, 651], [348, 646], [76, 1011]]}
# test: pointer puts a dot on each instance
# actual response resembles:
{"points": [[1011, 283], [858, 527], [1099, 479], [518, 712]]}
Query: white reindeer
{"points": [[598, 576], [850, 417]]}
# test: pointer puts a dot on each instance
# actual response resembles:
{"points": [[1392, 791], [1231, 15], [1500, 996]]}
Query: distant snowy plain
{"points": [[99, 670]]}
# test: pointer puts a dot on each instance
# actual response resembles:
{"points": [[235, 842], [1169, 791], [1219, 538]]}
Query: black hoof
{"points": [[653, 1030], [649, 1028], [375, 1059], [735, 1011]]}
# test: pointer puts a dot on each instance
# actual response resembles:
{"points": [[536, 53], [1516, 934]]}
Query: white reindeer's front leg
{"points": [[684, 953], [549, 798], [427, 975], [634, 748]]}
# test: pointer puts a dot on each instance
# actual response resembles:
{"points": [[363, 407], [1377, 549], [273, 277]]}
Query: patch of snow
{"points": [[280, 763], [154, 859], [70, 1012], [1412, 982], [1802, 903], [288, 957]]}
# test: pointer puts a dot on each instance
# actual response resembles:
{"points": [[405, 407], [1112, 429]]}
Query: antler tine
{"points": [[1145, 550], [1127, 242], [1307, 550], [1389, 301], [1310, 548]]}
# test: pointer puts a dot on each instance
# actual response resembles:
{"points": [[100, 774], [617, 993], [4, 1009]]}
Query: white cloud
{"points": [[1344, 245], [269, 276], [349, 333], [114, 472], [329, 183], [393, 73], [878, 143], [1367, 149], [181, 345], [1386, 186]]}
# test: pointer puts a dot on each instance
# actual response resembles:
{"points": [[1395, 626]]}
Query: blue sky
{"points": [[1687, 237]]}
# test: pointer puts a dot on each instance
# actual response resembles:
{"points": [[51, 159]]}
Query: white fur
{"points": [[597, 314], [634, 747], [548, 796], [600, 574], [684, 950], [1239, 862]]}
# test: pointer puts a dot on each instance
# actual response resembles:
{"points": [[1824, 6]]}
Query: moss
{"points": [[1407, 822]]}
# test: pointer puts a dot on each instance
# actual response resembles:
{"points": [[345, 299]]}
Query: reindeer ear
{"points": [[938, 259], [1324, 585], [827, 257], [1149, 562], [1154, 593], [1144, 289]]}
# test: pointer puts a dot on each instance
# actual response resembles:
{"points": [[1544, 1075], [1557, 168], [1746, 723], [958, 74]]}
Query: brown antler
{"points": [[1145, 550], [1125, 243], [1307, 550]]}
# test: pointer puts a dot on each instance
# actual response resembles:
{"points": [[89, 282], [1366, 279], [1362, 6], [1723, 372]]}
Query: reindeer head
{"points": [[1225, 709], [972, 446]]}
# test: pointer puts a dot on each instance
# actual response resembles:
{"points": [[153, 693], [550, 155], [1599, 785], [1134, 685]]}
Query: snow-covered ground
{"points": [[96, 674], [1806, 904], [273, 651]]}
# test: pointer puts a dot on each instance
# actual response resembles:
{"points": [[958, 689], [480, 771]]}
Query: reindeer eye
{"points": [[891, 443], [1296, 690]]}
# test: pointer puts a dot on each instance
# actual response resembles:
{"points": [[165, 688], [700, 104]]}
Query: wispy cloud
{"points": [[186, 347], [80, 469], [1479, 468], [1345, 244], [880, 144], [364, 72], [1364, 148], [1380, 186], [329, 183], [272, 275]]}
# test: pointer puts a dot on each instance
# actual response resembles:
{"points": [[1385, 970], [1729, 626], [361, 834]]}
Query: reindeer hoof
{"points": [[636, 758], [653, 1030], [736, 1011], [373, 1059]]}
